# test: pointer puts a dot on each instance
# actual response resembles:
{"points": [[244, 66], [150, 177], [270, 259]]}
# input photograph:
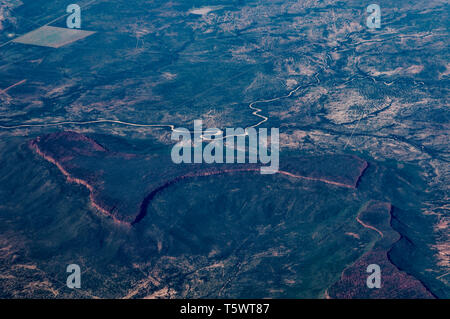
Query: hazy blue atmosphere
{"points": [[87, 177]]}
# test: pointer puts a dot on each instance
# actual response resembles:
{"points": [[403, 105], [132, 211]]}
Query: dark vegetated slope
{"points": [[376, 217], [82, 160]]}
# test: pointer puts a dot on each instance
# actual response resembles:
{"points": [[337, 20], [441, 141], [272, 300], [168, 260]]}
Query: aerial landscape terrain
{"points": [[87, 176]]}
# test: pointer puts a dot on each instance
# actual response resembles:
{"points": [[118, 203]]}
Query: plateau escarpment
{"points": [[122, 185], [376, 217]]}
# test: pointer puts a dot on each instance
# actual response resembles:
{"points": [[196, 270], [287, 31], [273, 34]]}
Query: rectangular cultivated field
{"points": [[53, 37]]}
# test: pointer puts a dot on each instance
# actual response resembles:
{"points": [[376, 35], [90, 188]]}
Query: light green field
{"points": [[53, 37]]}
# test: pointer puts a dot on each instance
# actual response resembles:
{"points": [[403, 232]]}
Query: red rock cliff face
{"points": [[33, 145], [70, 151], [376, 217]]}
